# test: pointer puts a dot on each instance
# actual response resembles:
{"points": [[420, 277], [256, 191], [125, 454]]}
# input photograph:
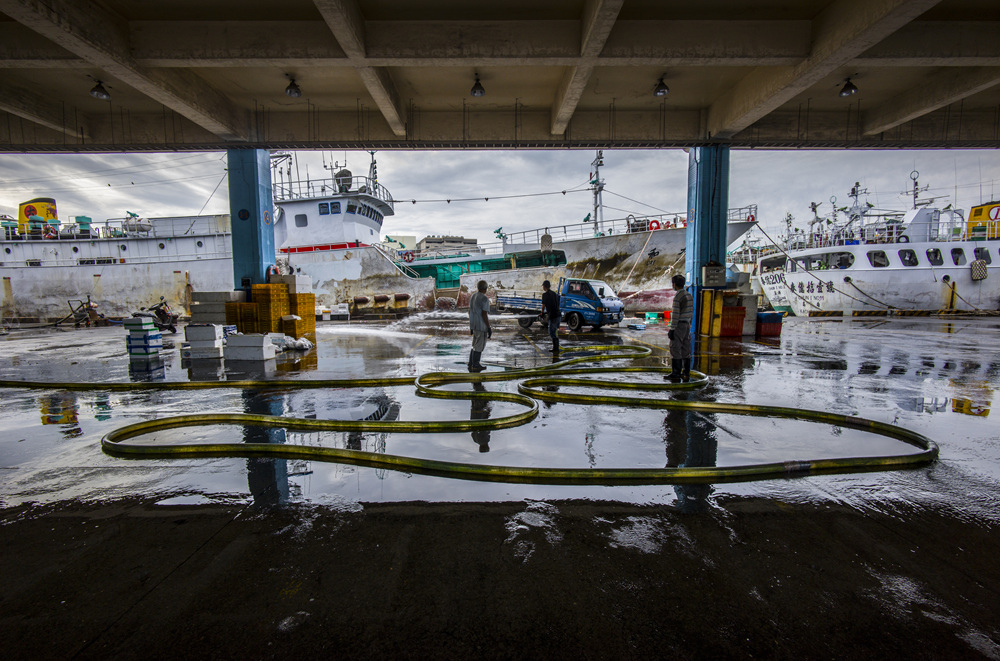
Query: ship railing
{"points": [[396, 256], [283, 191], [123, 228], [627, 225]]}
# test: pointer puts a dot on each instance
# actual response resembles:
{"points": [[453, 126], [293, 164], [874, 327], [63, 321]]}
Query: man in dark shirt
{"points": [[680, 332], [550, 307]]}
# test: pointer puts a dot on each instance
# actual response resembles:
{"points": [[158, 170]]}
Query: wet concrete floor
{"points": [[262, 558]]}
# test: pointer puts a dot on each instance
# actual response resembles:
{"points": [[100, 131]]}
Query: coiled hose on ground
{"points": [[536, 384]]}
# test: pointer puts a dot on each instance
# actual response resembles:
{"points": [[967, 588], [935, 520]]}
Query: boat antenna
{"points": [[597, 185], [917, 190], [373, 170]]}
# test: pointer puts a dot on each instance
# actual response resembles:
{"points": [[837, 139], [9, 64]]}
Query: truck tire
{"points": [[574, 321], [524, 322]]}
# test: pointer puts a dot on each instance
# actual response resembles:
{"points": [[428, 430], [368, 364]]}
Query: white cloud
{"points": [[637, 181]]}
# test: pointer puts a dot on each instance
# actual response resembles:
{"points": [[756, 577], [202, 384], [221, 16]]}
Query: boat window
{"points": [[958, 256], [908, 257], [301, 220], [983, 254], [842, 260], [335, 207], [352, 208], [324, 208], [935, 257], [877, 258]]}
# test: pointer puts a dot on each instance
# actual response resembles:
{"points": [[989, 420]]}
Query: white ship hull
{"points": [[863, 287], [120, 271]]}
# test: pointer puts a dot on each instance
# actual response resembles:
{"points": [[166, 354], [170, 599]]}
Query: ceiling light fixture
{"points": [[849, 88], [661, 88], [478, 89], [292, 90], [98, 92]]}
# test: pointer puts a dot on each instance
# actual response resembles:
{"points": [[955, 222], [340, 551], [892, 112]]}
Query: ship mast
{"points": [[598, 186]]}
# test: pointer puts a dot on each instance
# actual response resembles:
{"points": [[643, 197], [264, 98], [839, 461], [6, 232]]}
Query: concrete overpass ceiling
{"points": [[197, 74]]}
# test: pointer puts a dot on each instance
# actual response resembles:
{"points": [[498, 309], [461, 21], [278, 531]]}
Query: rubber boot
{"points": [[476, 366], [555, 345], [686, 374], [472, 359], [676, 370]]}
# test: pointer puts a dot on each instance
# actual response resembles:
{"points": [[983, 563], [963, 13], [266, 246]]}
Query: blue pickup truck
{"points": [[582, 303]]}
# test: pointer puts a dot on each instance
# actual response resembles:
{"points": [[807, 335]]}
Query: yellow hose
{"points": [[531, 390]]}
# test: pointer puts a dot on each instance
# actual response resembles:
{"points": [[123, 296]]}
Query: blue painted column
{"points": [[251, 215], [708, 212]]}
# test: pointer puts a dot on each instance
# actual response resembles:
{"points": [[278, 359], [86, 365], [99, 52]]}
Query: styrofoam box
{"points": [[218, 296], [195, 353], [249, 340], [297, 284], [250, 353], [144, 335], [228, 330], [206, 344], [138, 323], [202, 332], [144, 342]]}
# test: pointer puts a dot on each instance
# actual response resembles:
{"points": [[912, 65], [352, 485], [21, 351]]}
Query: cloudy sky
{"points": [[637, 181]]}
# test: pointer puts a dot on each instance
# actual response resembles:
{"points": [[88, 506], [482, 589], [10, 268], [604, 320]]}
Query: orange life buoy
{"points": [[751, 218], [272, 270], [654, 225], [49, 232], [408, 256]]}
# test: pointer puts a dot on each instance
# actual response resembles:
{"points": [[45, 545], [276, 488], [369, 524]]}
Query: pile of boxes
{"points": [[209, 307], [284, 305], [203, 341], [144, 340]]}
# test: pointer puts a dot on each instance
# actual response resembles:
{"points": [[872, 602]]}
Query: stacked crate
{"points": [[212, 307], [144, 341], [302, 306], [272, 304]]}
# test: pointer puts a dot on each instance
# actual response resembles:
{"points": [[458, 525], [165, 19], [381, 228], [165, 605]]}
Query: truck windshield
{"points": [[603, 290]]}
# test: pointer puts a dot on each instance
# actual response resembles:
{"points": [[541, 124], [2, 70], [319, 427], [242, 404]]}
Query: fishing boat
{"points": [[329, 229], [923, 260], [121, 264]]}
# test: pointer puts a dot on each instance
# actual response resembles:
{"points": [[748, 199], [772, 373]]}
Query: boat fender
{"points": [[654, 225], [360, 300], [978, 270], [49, 232], [401, 297], [381, 298]]}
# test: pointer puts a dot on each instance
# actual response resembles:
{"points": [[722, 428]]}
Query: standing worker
{"points": [[680, 332], [550, 306], [479, 325]]}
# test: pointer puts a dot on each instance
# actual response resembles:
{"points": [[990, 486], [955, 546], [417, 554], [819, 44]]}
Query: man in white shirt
{"points": [[479, 325]]}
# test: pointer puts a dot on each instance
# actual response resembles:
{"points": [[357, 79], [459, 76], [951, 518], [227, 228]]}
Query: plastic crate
{"points": [[769, 324], [732, 321]]}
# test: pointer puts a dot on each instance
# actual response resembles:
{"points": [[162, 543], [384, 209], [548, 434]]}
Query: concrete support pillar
{"points": [[708, 212], [251, 215]]}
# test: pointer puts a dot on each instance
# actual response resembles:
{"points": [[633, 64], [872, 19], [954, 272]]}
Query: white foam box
{"points": [[277, 339], [228, 330], [297, 284], [207, 344], [143, 353], [203, 332], [250, 353], [252, 340], [144, 335], [195, 353], [208, 308], [218, 296], [138, 324]]}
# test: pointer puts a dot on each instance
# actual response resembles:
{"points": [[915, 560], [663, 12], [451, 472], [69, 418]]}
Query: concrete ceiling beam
{"points": [[597, 22], [841, 32], [102, 39], [344, 19], [937, 44], [35, 108], [937, 91]]}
